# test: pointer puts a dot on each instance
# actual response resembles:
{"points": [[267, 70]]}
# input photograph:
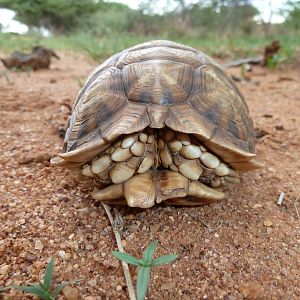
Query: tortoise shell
{"points": [[159, 86]]}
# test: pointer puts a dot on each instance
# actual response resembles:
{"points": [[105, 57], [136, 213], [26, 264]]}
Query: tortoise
{"points": [[159, 122]]}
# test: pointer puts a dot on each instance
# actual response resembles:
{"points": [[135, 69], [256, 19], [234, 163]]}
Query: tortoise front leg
{"points": [[139, 191]]}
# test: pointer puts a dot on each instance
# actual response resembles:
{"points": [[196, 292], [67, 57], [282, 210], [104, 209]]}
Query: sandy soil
{"points": [[245, 247]]}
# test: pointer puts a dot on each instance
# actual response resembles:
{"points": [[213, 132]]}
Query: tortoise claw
{"points": [[114, 191], [202, 191]]}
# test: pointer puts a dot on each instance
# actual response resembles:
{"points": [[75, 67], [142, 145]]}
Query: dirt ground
{"points": [[244, 247]]}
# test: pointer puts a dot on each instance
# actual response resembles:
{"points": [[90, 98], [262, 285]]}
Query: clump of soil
{"points": [[245, 246]]}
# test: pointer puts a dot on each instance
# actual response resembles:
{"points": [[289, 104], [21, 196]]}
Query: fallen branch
{"points": [[250, 60], [117, 233], [270, 51], [39, 58]]}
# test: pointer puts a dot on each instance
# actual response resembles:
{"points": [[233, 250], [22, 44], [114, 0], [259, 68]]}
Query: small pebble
{"points": [[92, 282], [252, 291], [257, 206], [70, 293], [119, 288], [4, 269], [61, 253], [155, 228], [279, 127], [168, 286], [39, 245], [268, 223]]}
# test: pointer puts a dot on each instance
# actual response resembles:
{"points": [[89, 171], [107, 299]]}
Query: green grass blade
{"points": [[165, 259], [127, 258], [149, 251], [142, 285], [34, 289], [48, 274]]}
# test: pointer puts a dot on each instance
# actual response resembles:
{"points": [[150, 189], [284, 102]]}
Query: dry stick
{"points": [[296, 209], [281, 198], [121, 249], [207, 226], [239, 62]]}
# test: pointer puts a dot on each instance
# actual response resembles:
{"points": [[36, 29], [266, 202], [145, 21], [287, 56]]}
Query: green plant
{"points": [[144, 266], [275, 60], [42, 290]]}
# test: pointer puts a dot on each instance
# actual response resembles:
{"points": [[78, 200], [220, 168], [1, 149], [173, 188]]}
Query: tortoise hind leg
{"points": [[175, 188], [143, 190]]}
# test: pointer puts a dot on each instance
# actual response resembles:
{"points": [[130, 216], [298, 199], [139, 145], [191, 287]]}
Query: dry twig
{"points": [[116, 231], [296, 209], [250, 60], [281, 198], [207, 226]]}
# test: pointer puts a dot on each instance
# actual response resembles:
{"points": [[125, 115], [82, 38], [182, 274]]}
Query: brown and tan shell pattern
{"points": [[151, 88]]}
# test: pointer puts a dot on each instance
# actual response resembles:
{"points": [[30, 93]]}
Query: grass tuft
{"points": [[42, 289], [144, 266], [100, 48]]}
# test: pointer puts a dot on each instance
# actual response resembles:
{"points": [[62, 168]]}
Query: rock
{"points": [[64, 255], [4, 269], [70, 237], [39, 245], [26, 159], [92, 282], [111, 263], [29, 158], [269, 230], [67, 256], [257, 206], [119, 288], [279, 127], [268, 116], [155, 228], [252, 291], [70, 293], [259, 133], [55, 209], [284, 271], [62, 130], [168, 286], [41, 157], [268, 223]]}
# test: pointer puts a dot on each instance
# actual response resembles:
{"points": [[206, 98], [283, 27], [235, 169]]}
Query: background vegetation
{"points": [[219, 27]]}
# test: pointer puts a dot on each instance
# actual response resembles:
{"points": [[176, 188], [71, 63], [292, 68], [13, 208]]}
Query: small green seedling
{"points": [[144, 266], [275, 60], [42, 290]]}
